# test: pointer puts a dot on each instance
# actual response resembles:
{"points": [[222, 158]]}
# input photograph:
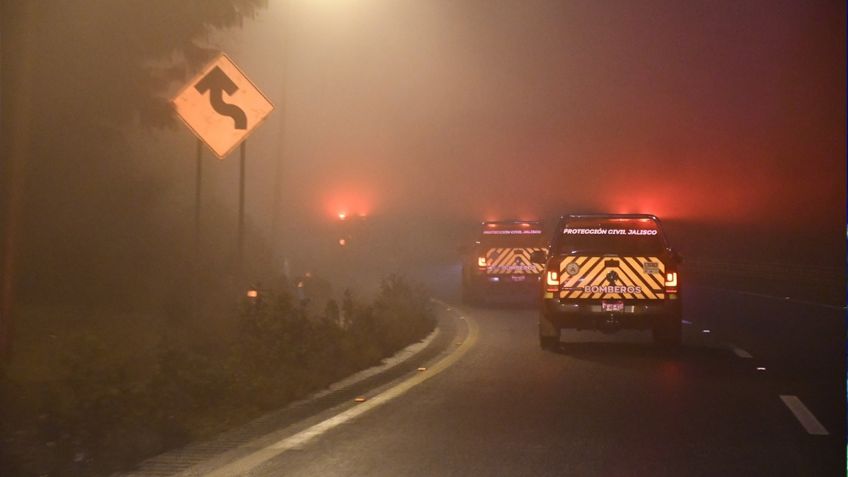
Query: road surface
{"points": [[757, 389]]}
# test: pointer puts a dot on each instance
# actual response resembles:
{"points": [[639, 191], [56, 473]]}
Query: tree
{"points": [[77, 74]]}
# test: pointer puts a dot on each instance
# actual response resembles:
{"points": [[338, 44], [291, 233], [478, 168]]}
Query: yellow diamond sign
{"points": [[222, 106]]}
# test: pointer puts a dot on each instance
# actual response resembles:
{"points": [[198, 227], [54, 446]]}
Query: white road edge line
{"points": [[390, 362], [804, 416], [298, 440]]}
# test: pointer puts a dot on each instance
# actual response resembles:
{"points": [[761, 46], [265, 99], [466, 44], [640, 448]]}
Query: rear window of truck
{"points": [[638, 237]]}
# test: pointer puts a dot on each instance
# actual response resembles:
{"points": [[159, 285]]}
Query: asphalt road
{"points": [[603, 405]]}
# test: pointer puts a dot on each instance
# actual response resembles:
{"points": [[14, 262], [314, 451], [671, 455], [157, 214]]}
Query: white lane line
{"points": [[298, 440], [740, 352], [804, 416]]}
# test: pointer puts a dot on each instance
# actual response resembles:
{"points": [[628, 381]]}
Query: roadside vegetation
{"points": [[89, 396]]}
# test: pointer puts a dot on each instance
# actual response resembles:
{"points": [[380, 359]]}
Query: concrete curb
{"points": [[180, 460]]}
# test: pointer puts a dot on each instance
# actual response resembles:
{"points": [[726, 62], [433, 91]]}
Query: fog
{"points": [[699, 112], [724, 119], [725, 116], [138, 316]]}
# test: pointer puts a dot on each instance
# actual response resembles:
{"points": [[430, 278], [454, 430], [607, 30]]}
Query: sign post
{"points": [[195, 290], [242, 160], [221, 106], [197, 196]]}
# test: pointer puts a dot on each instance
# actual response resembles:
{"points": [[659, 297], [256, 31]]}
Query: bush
{"points": [[104, 414]]}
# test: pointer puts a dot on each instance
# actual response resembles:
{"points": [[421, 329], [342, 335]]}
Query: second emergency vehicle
{"points": [[499, 264]]}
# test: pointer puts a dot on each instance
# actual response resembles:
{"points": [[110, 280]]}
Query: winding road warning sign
{"points": [[222, 106]]}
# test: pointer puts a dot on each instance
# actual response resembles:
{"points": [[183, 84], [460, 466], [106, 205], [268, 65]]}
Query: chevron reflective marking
{"points": [[630, 272], [585, 268], [597, 267], [496, 255], [512, 260], [585, 263], [638, 263], [637, 279], [622, 275], [564, 263], [658, 278]]}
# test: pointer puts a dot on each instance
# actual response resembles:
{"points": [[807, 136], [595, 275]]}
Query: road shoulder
{"points": [[202, 457]]}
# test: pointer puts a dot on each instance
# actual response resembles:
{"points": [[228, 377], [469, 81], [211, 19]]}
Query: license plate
{"points": [[612, 306], [518, 278]]}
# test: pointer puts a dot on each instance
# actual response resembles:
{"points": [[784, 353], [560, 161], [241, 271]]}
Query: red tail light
{"points": [[671, 282], [481, 262], [552, 281]]}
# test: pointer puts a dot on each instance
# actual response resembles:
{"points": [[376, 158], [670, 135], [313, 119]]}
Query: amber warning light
{"points": [[671, 282], [552, 281]]}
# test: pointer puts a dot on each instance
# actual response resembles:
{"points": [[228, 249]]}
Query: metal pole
{"points": [[275, 206], [277, 198], [240, 258], [197, 201], [197, 183]]}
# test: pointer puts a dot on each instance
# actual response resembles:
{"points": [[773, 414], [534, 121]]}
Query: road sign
{"points": [[222, 106]]}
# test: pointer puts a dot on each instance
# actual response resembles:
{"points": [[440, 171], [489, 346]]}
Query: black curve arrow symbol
{"points": [[216, 82]]}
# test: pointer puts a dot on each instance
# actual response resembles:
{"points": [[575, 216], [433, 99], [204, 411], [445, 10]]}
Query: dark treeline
{"points": [[88, 217]]}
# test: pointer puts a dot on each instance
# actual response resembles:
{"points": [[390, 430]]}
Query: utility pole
{"points": [[281, 141], [195, 292], [16, 126], [240, 258]]}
